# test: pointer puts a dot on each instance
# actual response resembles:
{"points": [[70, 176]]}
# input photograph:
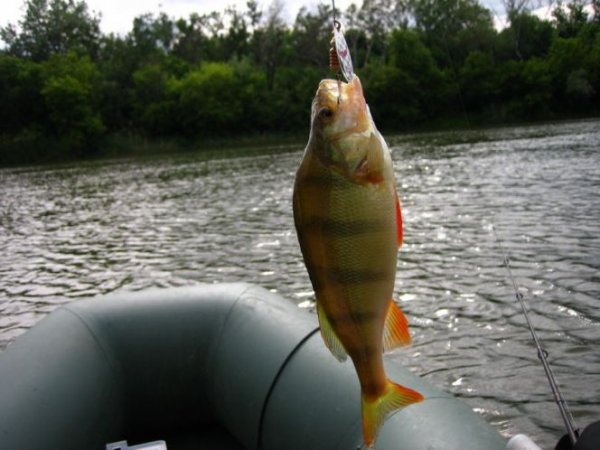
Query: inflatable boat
{"points": [[226, 366]]}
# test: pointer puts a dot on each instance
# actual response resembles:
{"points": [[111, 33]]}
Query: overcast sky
{"points": [[117, 15]]}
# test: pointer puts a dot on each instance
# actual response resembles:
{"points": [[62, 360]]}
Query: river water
{"points": [[74, 231]]}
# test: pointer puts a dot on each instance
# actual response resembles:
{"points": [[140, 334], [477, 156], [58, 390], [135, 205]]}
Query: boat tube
{"points": [[224, 366]]}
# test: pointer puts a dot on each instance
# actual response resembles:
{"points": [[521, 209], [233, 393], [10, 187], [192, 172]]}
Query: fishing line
{"points": [[334, 62], [542, 353], [333, 10]]}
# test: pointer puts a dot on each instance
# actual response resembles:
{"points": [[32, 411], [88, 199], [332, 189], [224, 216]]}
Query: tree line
{"points": [[68, 90]]}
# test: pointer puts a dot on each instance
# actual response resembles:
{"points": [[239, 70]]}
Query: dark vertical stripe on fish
{"points": [[343, 228], [322, 182], [342, 318], [362, 349], [346, 277]]}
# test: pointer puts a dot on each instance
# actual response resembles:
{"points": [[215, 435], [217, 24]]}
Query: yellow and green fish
{"points": [[349, 226]]}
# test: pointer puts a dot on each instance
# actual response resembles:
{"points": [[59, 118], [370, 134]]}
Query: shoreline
{"points": [[122, 146]]}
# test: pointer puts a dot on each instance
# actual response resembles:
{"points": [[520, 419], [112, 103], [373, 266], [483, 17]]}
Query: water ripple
{"points": [[68, 232]]}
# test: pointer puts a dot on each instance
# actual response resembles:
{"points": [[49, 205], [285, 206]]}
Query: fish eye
{"points": [[325, 112]]}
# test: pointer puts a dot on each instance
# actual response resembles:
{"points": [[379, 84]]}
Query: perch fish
{"points": [[349, 226]]}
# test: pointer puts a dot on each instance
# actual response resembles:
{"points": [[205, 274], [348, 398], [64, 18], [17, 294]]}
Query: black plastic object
{"points": [[589, 439], [228, 366]]}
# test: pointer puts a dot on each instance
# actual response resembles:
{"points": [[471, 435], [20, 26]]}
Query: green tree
{"points": [[525, 90], [453, 28], [117, 65], [63, 85], [592, 66], [537, 89], [565, 57], [153, 100], [271, 42], [389, 92], [51, 27], [208, 103], [409, 53], [376, 19], [289, 100], [569, 19], [253, 96], [151, 38], [355, 35], [596, 8], [200, 38], [526, 37], [518, 7], [311, 37], [237, 39], [21, 104], [410, 88], [71, 99], [574, 64], [478, 76]]}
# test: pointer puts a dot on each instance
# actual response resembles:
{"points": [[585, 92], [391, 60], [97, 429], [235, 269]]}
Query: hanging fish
{"points": [[349, 226]]}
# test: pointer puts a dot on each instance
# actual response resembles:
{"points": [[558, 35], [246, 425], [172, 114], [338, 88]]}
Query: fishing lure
{"points": [[339, 54]]}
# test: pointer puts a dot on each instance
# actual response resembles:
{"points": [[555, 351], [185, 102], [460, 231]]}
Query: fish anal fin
{"points": [[375, 411], [395, 330], [331, 340]]}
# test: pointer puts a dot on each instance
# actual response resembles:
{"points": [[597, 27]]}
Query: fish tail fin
{"points": [[374, 412]]}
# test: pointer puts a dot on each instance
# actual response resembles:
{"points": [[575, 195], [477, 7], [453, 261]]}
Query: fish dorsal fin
{"points": [[399, 229], [395, 330], [332, 342]]}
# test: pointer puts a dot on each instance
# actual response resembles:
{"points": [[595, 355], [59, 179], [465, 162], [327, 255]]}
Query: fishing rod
{"points": [[542, 354]]}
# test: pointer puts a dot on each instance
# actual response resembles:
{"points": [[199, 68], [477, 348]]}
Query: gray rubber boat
{"points": [[228, 366]]}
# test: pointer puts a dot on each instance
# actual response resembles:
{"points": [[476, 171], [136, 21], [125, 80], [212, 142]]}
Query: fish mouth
{"points": [[344, 100], [331, 87], [327, 100]]}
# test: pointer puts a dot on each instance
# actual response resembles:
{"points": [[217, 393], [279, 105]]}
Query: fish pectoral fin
{"points": [[375, 157], [331, 340], [371, 168], [374, 412], [395, 329]]}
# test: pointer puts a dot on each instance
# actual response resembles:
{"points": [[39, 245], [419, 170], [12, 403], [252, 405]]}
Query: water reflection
{"points": [[74, 231]]}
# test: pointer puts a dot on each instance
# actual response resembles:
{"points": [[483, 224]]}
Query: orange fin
{"points": [[374, 412], [332, 342], [395, 329], [399, 230]]}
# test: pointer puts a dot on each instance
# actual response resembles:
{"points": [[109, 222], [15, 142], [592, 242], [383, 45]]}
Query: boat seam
{"points": [[103, 347], [276, 379], [109, 358], [214, 347]]}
